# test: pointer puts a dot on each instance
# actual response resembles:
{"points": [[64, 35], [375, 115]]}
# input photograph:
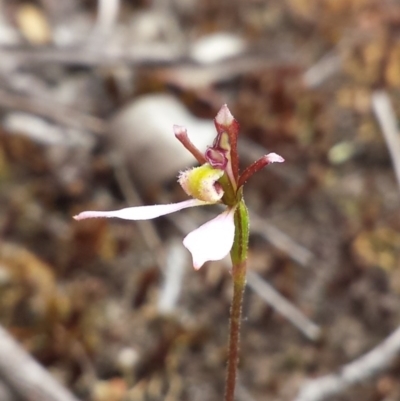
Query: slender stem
{"points": [[239, 262], [239, 283]]}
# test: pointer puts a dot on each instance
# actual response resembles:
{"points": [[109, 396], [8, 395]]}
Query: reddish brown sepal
{"points": [[225, 122], [181, 135], [258, 165]]}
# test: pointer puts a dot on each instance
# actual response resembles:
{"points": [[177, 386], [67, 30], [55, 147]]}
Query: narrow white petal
{"points": [[213, 240], [142, 212]]}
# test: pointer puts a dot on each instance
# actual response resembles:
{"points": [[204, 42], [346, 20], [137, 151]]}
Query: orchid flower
{"points": [[216, 181]]}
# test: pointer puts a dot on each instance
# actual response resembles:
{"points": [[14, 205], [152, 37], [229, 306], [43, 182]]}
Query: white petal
{"points": [[213, 240], [142, 212]]}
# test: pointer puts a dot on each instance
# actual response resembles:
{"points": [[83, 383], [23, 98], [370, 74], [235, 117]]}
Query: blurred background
{"points": [[89, 91]]}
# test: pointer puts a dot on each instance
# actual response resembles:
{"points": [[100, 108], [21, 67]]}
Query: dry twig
{"points": [[54, 111], [323, 69], [25, 376], [283, 306], [358, 371], [141, 54], [282, 241], [383, 109]]}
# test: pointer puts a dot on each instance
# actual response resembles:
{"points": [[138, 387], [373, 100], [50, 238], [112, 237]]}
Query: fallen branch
{"points": [[25, 376], [54, 111], [383, 109], [358, 371], [283, 306]]}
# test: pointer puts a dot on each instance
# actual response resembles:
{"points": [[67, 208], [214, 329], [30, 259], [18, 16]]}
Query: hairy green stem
{"points": [[239, 259], [239, 283]]}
